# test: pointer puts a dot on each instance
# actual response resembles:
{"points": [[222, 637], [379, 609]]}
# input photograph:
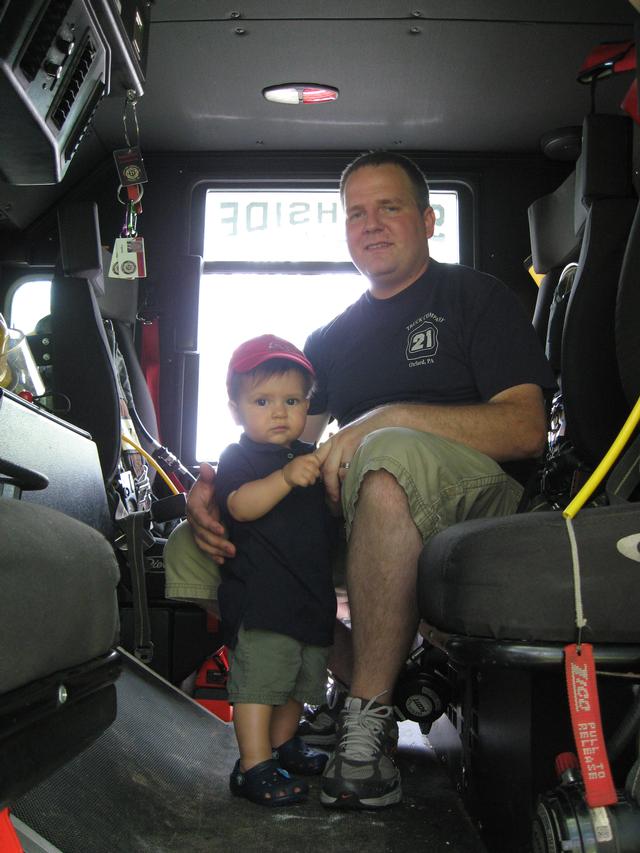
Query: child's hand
{"points": [[302, 471]]}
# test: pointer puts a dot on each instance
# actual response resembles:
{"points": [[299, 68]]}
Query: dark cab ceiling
{"points": [[446, 75], [440, 76]]}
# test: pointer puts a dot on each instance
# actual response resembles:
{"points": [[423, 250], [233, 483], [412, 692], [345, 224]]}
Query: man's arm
{"points": [[203, 516], [254, 499], [510, 426]]}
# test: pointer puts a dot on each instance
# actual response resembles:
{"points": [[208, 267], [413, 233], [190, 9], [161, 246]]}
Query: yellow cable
{"points": [[151, 462], [607, 461]]}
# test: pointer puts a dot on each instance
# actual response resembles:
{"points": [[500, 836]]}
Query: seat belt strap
{"points": [[150, 361], [134, 526]]}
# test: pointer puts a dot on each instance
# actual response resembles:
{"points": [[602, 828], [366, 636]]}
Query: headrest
{"points": [[120, 298], [79, 232], [553, 239], [603, 169]]}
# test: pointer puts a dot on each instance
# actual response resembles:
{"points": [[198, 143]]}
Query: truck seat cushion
{"points": [[512, 577], [58, 605]]}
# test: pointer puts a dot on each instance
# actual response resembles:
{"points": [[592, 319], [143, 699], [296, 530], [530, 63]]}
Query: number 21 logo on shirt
{"points": [[422, 342]]}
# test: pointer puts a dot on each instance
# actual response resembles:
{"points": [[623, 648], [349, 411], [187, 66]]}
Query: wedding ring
{"points": [[345, 464]]}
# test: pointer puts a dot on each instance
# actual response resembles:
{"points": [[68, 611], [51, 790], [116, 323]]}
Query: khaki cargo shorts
{"points": [[445, 482]]}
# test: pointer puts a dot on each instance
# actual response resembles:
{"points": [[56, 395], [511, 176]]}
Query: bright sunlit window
{"points": [[31, 301], [277, 232]]}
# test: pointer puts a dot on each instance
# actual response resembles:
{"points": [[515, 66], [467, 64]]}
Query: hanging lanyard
{"points": [[584, 704], [128, 257]]}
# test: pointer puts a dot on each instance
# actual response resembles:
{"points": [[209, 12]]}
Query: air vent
{"points": [[41, 40], [71, 84], [83, 122]]}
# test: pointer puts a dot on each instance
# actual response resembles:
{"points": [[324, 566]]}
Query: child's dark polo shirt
{"points": [[280, 579]]}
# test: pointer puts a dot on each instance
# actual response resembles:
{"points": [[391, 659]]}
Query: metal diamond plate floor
{"points": [[157, 782]]}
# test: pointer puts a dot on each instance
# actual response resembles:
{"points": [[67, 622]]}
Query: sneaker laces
{"points": [[364, 730]]}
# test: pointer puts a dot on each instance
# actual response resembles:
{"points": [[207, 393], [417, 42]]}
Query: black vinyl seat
{"points": [[118, 305], [595, 404], [627, 307], [498, 595], [90, 319], [511, 578], [519, 560], [554, 244], [58, 631], [82, 364], [578, 326]]}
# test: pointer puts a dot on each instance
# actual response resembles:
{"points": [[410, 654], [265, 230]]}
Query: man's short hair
{"points": [[381, 158]]}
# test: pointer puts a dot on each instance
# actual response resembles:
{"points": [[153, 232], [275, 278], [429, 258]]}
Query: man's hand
{"points": [[302, 471], [338, 452], [203, 516]]}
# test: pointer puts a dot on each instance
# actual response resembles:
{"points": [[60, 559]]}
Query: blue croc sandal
{"points": [[267, 784], [298, 757]]}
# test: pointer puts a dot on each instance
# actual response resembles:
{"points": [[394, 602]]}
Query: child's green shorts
{"points": [[269, 668]]}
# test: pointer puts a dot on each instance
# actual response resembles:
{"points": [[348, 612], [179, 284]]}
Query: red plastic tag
{"points": [[606, 59], [587, 726], [630, 102], [9, 842]]}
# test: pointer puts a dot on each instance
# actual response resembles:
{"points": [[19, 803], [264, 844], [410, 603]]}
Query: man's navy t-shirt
{"points": [[455, 336]]}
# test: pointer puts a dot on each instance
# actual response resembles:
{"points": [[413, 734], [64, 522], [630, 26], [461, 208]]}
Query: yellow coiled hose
{"points": [[607, 461]]}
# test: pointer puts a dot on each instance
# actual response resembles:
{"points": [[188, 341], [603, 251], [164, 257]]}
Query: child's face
{"points": [[272, 410]]}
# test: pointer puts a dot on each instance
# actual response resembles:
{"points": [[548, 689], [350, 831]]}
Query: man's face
{"points": [[386, 233]]}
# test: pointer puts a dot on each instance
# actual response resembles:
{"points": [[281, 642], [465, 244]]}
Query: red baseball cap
{"points": [[258, 350]]}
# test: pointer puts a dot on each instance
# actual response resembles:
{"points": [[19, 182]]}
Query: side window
{"points": [[29, 301]]}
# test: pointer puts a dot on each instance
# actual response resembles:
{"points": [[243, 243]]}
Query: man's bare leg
{"points": [[381, 579], [382, 560], [340, 663]]}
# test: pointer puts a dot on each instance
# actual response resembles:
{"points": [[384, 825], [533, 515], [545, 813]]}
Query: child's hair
{"points": [[272, 367]]}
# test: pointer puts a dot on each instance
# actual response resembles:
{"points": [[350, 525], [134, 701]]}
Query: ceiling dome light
{"points": [[300, 93]]}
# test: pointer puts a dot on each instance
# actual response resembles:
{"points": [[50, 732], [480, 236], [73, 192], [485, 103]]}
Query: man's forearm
{"points": [[510, 426]]}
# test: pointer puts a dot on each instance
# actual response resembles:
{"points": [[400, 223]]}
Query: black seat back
{"points": [[83, 369], [118, 305], [554, 244], [627, 333], [594, 401]]}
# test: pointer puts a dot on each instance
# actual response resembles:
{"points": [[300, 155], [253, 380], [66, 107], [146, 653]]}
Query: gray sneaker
{"points": [[362, 773], [318, 725]]}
